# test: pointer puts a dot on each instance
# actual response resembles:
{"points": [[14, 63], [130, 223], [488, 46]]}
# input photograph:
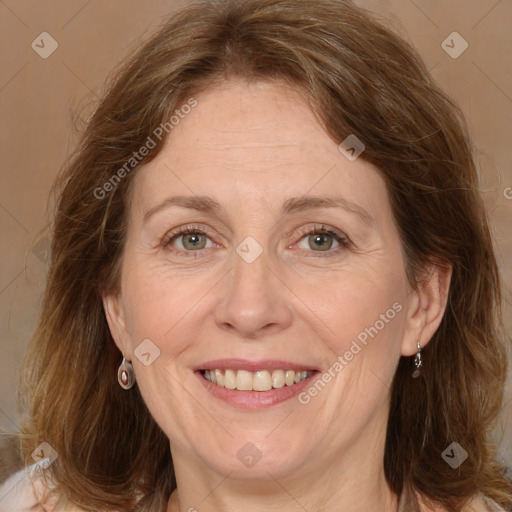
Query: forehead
{"points": [[260, 142]]}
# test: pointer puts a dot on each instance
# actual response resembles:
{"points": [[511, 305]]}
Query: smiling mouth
{"points": [[262, 380]]}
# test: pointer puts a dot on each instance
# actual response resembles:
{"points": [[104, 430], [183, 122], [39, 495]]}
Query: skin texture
{"points": [[251, 147]]}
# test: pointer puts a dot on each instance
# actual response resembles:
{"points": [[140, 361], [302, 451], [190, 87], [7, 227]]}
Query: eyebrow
{"points": [[293, 204]]}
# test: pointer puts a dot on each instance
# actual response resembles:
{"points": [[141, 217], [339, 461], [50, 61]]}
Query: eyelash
{"points": [[343, 240]]}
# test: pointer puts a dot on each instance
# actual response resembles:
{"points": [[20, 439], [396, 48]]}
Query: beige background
{"points": [[37, 97]]}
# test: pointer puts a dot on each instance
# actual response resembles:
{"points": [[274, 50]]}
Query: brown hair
{"points": [[360, 79]]}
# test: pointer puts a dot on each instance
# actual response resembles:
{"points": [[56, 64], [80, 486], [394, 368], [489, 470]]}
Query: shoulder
{"points": [[21, 493], [479, 503], [17, 493]]}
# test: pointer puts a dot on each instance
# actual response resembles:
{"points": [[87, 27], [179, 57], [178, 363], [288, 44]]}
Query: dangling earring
{"points": [[125, 374], [417, 362]]}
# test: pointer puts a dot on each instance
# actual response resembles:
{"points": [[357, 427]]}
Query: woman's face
{"points": [[292, 262]]}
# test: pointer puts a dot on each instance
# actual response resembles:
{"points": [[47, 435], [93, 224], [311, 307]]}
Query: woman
{"points": [[272, 281]]}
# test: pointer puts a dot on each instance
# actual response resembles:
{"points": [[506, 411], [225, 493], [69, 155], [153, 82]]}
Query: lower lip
{"points": [[255, 399]]}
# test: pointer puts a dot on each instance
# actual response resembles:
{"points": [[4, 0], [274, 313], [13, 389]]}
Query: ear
{"points": [[427, 304], [112, 305]]}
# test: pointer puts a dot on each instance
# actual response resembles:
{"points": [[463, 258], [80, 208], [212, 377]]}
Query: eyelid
{"points": [[183, 230], [343, 240]]}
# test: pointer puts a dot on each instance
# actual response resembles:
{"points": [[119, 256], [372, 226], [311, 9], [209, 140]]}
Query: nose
{"points": [[255, 302]]}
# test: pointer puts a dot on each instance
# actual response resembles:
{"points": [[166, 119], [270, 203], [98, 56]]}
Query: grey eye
{"points": [[319, 242]]}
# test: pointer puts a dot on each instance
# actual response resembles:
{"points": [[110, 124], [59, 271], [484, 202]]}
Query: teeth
{"points": [[229, 379], [219, 378], [290, 378], [262, 380], [243, 380], [278, 379]]}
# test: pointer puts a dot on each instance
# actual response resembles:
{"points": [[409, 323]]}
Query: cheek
{"points": [[358, 307], [352, 295], [156, 302]]}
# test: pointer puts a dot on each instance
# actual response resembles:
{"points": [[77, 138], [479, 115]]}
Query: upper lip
{"points": [[252, 366]]}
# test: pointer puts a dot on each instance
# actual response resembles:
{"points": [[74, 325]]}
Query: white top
{"points": [[22, 491], [19, 494]]}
